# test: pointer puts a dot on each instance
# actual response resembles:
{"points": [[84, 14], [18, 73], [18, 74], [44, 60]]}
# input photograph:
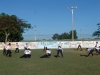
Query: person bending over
{"points": [[79, 47], [90, 51], [60, 50]]}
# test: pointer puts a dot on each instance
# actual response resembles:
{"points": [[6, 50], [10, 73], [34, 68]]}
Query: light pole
{"points": [[34, 32], [80, 34], [72, 9]]}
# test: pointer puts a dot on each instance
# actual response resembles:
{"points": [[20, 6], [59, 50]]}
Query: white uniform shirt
{"points": [[60, 49], [17, 46], [98, 48], [27, 52], [8, 47], [97, 45], [89, 49], [48, 51]]}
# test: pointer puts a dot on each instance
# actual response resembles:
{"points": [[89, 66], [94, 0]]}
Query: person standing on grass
{"points": [[60, 50], [25, 46], [98, 50], [8, 48], [47, 53], [27, 53], [90, 51], [17, 48], [79, 46], [97, 47], [44, 49], [4, 48]]}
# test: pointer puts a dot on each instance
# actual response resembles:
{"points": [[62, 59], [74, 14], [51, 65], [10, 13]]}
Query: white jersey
{"points": [[97, 45], [97, 48], [48, 51], [89, 49], [60, 49], [8, 47], [27, 52], [17, 46]]}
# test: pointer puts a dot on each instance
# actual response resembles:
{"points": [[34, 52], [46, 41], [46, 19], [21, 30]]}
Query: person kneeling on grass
{"points": [[27, 54], [90, 51], [47, 53]]}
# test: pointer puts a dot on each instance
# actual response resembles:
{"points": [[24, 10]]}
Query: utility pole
{"points": [[72, 9], [80, 35], [34, 32]]}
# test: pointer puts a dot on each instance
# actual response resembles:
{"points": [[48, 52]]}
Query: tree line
{"points": [[64, 35]]}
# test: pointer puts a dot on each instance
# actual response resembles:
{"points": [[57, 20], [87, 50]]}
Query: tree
{"points": [[12, 27], [75, 34], [97, 33], [55, 36], [64, 36]]}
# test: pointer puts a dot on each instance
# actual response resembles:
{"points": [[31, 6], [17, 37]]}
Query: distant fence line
{"points": [[52, 44]]}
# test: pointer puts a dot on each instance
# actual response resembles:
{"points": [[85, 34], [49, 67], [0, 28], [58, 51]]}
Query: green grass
{"points": [[71, 64]]}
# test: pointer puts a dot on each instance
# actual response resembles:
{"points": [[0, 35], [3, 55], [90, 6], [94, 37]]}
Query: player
{"points": [[97, 50], [8, 48], [97, 47], [44, 49], [90, 51], [47, 53], [27, 53], [4, 48], [26, 46], [79, 47], [60, 50], [17, 48]]}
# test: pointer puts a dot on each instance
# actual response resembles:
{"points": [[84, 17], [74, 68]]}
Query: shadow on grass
{"points": [[56, 56], [45, 56], [95, 54], [78, 50], [83, 55]]}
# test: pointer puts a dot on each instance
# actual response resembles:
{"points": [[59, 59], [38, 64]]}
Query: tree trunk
{"points": [[7, 34]]}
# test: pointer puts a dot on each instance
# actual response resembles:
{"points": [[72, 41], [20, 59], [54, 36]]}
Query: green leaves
{"points": [[11, 24], [64, 36], [97, 33]]}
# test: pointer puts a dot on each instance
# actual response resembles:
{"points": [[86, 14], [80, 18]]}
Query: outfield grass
{"points": [[71, 64]]}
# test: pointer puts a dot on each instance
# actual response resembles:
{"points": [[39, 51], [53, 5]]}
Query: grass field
{"points": [[71, 64]]}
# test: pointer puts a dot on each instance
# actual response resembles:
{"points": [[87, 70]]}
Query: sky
{"points": [[53, 16]]}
